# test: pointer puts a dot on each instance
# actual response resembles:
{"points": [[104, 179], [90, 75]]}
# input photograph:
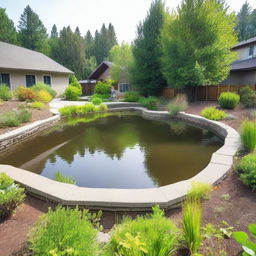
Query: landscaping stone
{"points": [[103, 238]]}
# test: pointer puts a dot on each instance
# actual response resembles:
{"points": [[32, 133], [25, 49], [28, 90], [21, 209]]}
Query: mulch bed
{"points": [[13, 105], [238, 209]]}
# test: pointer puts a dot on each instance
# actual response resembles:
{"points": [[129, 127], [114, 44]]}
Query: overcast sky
{"points": [[91, 14]]}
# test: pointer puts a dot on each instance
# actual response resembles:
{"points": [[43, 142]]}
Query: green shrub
{"points": [[25, 94], [103, 97], [11, 195], [178, 104], [247, 170], [103, 87], [213, 114], [68, 110], [74, 82], [44, 87], [248, 97], [43, 96], [150, 102], [102, 108], [199, 191], [9, 119], [229, 100], [191, 224], [249, 246], [24, 115], [5, 92], [248, 135], [72, 93], [37, 105], [64, 179], [150, 235], [131, 96], [64, 232], [96, 101]]}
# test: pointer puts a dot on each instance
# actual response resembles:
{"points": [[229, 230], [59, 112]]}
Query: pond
{"points": [[118, 150]]}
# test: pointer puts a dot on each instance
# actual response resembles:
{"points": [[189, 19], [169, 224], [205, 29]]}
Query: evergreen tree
{"points": [[89, 43], [54, 32], [77, 31], [147, 75], [8, 32], [244, 26], [112, 40], [32, 33]]}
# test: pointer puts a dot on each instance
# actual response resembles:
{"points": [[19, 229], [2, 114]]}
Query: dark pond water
{"points": [[117, 151]]}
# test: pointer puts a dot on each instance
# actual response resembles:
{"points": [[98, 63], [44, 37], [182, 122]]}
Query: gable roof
{"points": [[100, 69], [244, 43], [19, 58], [248, 64]]}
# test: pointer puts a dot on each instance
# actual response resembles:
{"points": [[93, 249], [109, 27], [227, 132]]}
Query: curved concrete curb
{"points": [[135, 199]]}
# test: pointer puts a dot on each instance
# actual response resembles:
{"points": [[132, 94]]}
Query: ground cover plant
{"points": [[213, 113], [248, 134], [5, 92], [229, 100], [131, 96], [149, 103], [64, 179], [11, 195], [248, 97], [179, 103], [64, 232]]}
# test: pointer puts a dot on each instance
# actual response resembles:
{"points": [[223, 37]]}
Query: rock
{"points": [[230, 117], [103, 238]]}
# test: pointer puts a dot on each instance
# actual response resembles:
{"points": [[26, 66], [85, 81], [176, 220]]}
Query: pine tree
{"points": [[112, 40], [89, 44], [147, 75], [77, 31], [8, 32], [243, 26], [54, 32], [32, 33]]}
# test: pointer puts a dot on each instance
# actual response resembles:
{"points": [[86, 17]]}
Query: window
{"points": [[251, 50], [30, 80], [47, 80], [5, 79], [124, 87]]}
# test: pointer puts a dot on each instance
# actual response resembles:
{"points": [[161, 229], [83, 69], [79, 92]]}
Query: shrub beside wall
{"points": [[213, 114], [229, 100]]}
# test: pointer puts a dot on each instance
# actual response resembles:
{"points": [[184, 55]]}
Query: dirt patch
{"points": [[14, 105]]}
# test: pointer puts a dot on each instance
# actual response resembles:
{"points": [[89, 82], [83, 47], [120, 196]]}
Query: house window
{"points": [[124, 87], [251, 50], [30, 80], [47, 80], [5, 79]]}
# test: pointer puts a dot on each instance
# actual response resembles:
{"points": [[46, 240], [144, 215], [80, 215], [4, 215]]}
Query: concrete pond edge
{"points": [[125, 199]]}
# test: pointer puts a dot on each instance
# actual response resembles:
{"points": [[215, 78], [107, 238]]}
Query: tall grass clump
{"points": [[199, 191], [213, 113], [248, 135], [5, 92], [179, 103], [191, 224], [64, 179], [131, 96], [149, 235], [15, 118], [64, 232], [229, 100], [149, 103]]}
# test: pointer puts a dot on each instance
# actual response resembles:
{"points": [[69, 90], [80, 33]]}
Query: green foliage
{"points": [[103, 88], [191, 58], [191, 224], [248, 135], [179, 103], [103, 97], [131, 96], [37, 105], [24, 115], [64, 232], [74, 82], [150, 102], [43, 96], [199, 191], [213, 114], [5, 92], [11, 195], [249, 247], [248, 97], [96, 101], [146, 70], [229, 100], [43, 87], [150, 235], [64, 179], [247, 170], [72, 93], [25, 94]]}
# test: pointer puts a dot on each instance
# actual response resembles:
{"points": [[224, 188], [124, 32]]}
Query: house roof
{"points": [[245, 43], [19, 58], [248, 64], [100, 69]]}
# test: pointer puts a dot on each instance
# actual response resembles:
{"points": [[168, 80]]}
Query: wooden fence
{"points": [[207, 93]]}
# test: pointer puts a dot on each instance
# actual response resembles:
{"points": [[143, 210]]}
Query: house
{"points": [[102, 73], [23, 67], [243, 71]]}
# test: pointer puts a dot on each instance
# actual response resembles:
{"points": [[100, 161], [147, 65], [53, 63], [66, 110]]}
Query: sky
{"points": [[91, 14]]}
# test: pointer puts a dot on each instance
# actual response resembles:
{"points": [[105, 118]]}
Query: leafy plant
{"points": [[37, 105], [96, 101], [101, 108], [150, 235], [44, 87], [43, 96], [242, 238], [131, 96], [199, 190], [24, 115], [11, 195], [25, 94], [64, 179], [72, 93], [103, 97], [247, 170], [213, 114], [103, 87], [150, 102], [248, 97], [5, 92], [179, 103], [64, 232], [229, 100], [9, 119], [248, 134]]}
